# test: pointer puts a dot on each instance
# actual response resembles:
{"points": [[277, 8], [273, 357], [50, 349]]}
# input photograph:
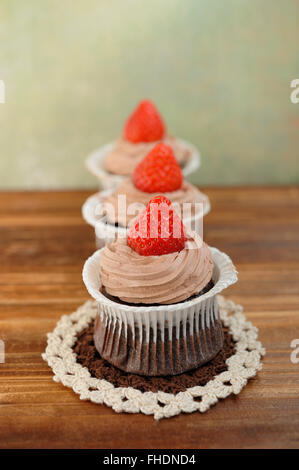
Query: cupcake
{"points": [[143, 129], [158, 172], [156, 292]]}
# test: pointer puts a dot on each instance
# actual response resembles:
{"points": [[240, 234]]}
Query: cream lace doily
{"points": [[242, 365]]}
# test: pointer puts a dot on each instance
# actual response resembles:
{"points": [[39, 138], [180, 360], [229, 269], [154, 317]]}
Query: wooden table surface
{"points": [[44, 243]]}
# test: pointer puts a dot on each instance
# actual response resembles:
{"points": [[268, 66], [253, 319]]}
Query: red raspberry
{"points": [[158, 172], [145, 124], [158, 229]]}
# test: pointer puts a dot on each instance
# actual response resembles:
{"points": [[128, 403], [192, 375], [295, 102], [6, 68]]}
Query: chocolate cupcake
{"points": [[157, 297], [143, 129], [157, 173]]}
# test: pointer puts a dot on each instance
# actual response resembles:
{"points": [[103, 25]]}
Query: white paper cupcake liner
{"points": [[105, 232], [189, 332], [95, 164]]}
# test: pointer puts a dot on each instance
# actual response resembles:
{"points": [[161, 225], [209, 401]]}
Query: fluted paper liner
{"points": [[164, 339], [105, 232], [95, 164]]}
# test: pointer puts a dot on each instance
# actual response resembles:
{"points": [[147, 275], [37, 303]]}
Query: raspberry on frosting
{"points": [[158, 230], [159, 171], [145, 124]]}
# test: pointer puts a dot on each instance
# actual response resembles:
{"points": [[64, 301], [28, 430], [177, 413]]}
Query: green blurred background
{"points": [[219, 70]]}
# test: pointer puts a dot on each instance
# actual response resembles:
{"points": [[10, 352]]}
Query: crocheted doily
{"points": [[241, 366]]}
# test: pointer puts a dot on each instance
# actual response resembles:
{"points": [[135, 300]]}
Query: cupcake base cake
{"points": [[162, 349]]}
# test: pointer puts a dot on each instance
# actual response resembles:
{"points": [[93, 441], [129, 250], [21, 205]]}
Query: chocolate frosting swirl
{"points": [[124, 157], [164, 279], [186, 194]]}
